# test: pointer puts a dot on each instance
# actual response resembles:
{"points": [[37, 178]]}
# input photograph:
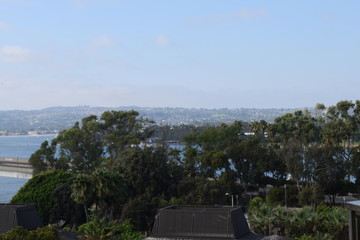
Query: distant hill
{"points": [[55, 119]]}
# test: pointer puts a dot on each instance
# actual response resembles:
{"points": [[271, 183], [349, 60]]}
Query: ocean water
{"points": [[21, 147], [9, 187]]}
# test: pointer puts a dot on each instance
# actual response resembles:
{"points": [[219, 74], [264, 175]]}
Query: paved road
{"points": [[15, 167]]}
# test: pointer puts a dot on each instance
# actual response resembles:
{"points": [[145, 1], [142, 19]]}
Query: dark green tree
{"points": [[103, 189], [45, 159], [81, 146], [93, 144], [294, 133]]}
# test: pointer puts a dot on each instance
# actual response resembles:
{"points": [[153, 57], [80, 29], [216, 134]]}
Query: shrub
{"points": [[304, 224], [317, 236], [335, 222], [263, 218], [100, 229], [300, 222], [255, 203], [124, 231], [39, 189], [97, 229], [20, 233]]}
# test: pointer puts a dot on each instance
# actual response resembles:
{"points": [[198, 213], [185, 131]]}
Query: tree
{"points": [[206, 153], [105, 190], [95, 143], [81, 146], [294, 134], [311, 195], [64, 208], [259, 127], [341, 124], [121, 130], [251, 160], [45, 159]]}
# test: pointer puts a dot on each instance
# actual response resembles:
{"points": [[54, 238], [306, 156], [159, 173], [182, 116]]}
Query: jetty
{"points": [[15, 168]]}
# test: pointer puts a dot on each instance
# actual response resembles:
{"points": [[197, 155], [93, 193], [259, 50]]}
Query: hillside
{"points": [[54, 119]]}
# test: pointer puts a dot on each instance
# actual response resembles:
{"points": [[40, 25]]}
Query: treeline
{"points": [[111, 174]]}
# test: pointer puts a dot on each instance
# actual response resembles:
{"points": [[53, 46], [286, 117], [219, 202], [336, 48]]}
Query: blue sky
{"points": [[178, 53]]}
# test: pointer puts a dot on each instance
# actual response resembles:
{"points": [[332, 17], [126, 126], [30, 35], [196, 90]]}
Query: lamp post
{"points": [[285, 196], [232, 199]]}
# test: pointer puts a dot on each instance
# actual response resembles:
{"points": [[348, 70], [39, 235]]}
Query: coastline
{"points": [[30, 135]]}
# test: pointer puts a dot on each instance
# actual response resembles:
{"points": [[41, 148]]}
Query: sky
{"points": [[178, 53]]}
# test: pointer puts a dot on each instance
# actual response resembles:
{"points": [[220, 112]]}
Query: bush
{"points": [[305, 224], [20, 233], [265, 219], [317, 236], [255, 203], [335, 222], [124, 231], [300, 222], [39, 189], [99, 229]]}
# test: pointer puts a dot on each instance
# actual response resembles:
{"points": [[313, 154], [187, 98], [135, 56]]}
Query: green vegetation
{"points": [[306, 223], [111, 175], [39, 191], [100, 229], [19, 233]]}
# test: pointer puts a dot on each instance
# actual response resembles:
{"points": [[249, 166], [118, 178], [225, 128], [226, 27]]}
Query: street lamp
{"points": [[232, 199], [285, 196]]}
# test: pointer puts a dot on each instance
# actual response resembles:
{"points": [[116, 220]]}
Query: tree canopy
{"points": [[117, 175]]}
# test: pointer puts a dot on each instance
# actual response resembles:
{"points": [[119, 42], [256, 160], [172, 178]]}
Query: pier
{"points": [[15, 168]]}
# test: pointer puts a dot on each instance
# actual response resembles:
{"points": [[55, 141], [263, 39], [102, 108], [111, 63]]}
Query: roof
{"points": [[201, 222], [13, 215], [353, 206]]}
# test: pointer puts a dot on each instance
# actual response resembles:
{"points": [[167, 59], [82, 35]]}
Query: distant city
{"points": [[53, 120]]}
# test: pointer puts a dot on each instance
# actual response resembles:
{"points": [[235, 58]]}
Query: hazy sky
{"points": [[178, 53]]}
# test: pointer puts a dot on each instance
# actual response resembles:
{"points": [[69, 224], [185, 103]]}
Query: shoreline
{"points": [[30, 135]]}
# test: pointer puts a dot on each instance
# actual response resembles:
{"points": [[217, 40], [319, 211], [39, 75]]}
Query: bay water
{"points": [[17, 147]]}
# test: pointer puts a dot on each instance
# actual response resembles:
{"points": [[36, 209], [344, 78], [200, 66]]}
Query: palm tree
{"points": [[262, 219], [301, 222], [101, 189], [82, 192], [336, 222]]}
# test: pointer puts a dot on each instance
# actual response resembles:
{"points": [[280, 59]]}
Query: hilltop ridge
{"points": [[54, 119]]}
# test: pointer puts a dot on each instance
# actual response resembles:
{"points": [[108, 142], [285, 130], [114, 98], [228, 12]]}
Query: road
{"points": [[15, 167]]}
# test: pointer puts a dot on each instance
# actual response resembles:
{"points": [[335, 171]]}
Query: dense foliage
{"points": [[303, 155], [39, 191], [100, 229], [20, 233], [307, 223]]}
